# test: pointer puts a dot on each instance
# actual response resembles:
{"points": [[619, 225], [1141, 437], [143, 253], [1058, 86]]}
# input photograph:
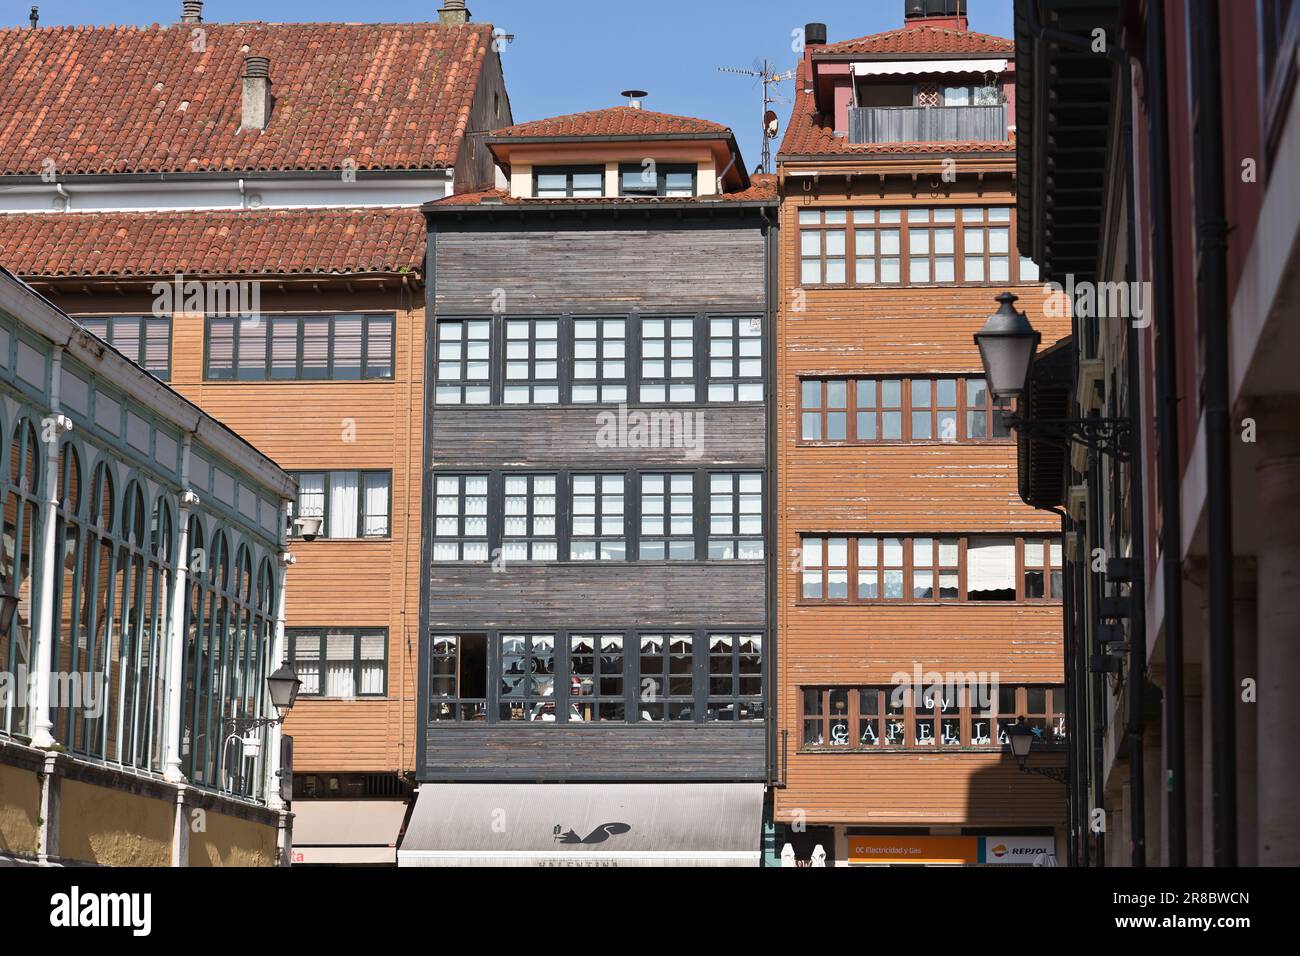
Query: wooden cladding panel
{"points": [[577, 436], [592, 271], [333, 425], [911, 789], [597, 594], [901, 489], [648, 752]]}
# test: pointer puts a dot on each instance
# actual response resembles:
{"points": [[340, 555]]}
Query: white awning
{"points": [[915, 67], [584, 825], [347, 831]]}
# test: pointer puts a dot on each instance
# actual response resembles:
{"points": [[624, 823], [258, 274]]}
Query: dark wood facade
{"points": [[687, 261]]}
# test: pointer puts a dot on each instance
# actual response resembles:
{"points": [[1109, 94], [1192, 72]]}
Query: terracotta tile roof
{"points": [[140, 99], [614, 121], [231, 242], [762, 188], [922, 40], [810, 134]]}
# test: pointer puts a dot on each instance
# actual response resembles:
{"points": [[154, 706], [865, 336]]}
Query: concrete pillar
{"points": [[181, 828], [47, 849], [1277, 496], [176, 627]]}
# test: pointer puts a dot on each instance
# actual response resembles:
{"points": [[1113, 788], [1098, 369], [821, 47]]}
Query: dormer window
{"points": [[651, 179], [568, 182]]}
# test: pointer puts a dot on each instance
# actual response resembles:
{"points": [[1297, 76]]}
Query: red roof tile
{"points": [[260, 242], [762, 188], [140, 99], [927, 39], [614, 121]]}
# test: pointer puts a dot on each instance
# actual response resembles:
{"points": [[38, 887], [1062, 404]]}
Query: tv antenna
{"points": [[765, 71]]}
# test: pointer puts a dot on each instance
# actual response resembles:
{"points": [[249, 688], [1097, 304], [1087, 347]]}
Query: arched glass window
{"points": [[20, 536], [67, 699]]}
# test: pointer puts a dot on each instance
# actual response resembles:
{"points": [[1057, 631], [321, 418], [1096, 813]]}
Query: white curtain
{"points": [[311, 495], [339, 666], [343, 504], [991, 565], [372, 664], [376, 504]]}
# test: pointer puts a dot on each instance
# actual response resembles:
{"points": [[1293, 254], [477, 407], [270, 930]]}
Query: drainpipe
{"points": [[1212, 317], [1166, 411]]}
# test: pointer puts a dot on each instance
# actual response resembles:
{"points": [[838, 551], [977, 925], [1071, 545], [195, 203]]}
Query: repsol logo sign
{"points": [[76, 909]]}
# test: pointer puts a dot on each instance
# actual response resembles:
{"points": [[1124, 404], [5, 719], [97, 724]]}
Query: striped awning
{"points": [[915, 67]]}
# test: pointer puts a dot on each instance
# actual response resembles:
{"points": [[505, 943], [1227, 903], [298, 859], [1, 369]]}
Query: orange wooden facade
{"points": [[330, 425], [898, 489]]}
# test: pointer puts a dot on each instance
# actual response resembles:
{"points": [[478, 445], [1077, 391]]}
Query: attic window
{"points": [[568, 182], [649, 179]]}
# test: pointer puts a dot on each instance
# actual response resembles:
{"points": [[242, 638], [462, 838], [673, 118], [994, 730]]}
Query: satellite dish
{"points": [[771, 124]]}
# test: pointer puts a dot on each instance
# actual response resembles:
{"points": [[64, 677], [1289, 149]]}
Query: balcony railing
{"points": [[928, 124]]}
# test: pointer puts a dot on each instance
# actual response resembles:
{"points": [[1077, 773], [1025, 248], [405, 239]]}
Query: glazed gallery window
{"points": [[735, 359], [736, 517], [599, 529], [667, 690], [464, 362], [339, 663], [599, 360], [532, 362], [596, 687], [353, 504], [735, 677], [655, 179], [460, 523], [145, 339], [918, 245], [581, 360], [527, 690], [341, 347], [529, 529], [888, 718], [458, 681], [899, 410], [568, 182], [846, 569], [667, 360], [667, 517]]}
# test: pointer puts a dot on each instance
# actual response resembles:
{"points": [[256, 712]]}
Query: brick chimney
{"points": [[947, 14], [255, 109], [453, 13], [192, 11]]}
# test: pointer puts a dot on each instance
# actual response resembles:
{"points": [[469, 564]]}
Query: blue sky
{"points": [[573, 55]]}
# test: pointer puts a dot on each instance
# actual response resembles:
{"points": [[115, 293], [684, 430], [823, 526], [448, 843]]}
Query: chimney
{"points": [[255, 109], [814, 34], [634, 98], [192, 11], [946, 14], [453, 13]]}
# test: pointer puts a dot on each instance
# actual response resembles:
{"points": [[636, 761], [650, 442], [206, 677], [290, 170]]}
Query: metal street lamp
{"points": [[282, 685], [1021, 737], [1007, 344]]}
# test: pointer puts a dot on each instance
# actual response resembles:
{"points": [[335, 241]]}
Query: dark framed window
{"points": [[341, 347], [529, 531], [145, 339], [910, 245], [735, 690], [527, 691], [599, 523], [930, 409], [735, 359], [597, 678], [667, 517], [852, 569], [458, 681], [340, 663], [464, 367], [949, 717], [352, 504], [1279, 44], [568, 182], [735, 516], [460, 518], [600, 371], [667, 359], [656, 179], [667, 690], [532, 362]]}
